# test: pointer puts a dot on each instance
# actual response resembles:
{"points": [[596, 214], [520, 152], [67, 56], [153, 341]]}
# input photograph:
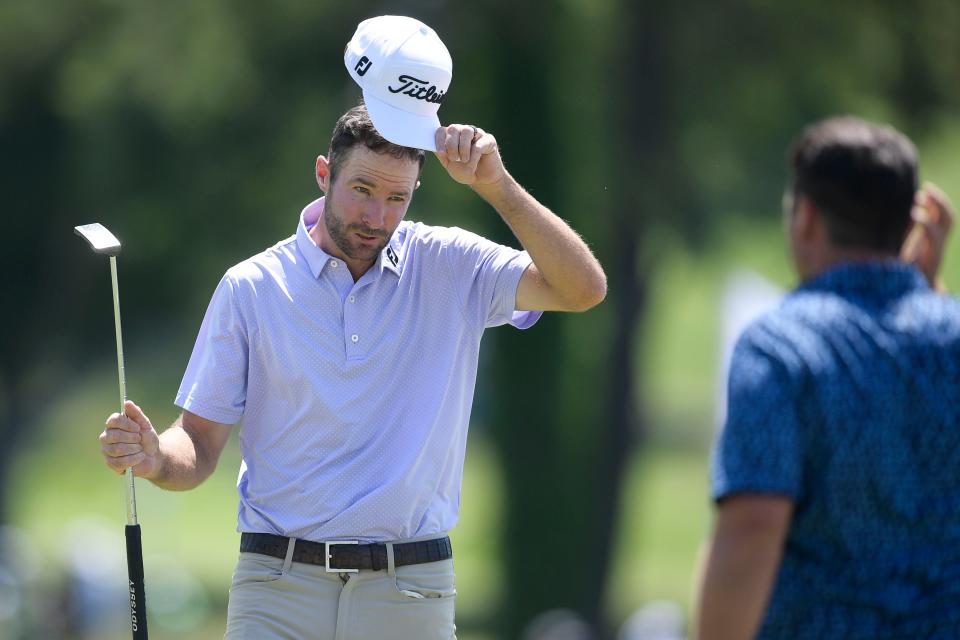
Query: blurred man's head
{"points": [[852, 190]]}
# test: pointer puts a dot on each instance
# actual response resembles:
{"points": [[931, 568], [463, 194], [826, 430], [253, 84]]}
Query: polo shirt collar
{"points": [[391, 258], [879, 279], [316, 257]]}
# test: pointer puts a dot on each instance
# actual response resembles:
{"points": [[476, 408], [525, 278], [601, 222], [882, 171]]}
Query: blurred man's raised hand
{"points": [[933, 218]]}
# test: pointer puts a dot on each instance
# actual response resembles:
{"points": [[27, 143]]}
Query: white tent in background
{"points": [[746, 296]]}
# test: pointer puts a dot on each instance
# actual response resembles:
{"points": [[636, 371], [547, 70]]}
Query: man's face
{"points": [[366, 202]]}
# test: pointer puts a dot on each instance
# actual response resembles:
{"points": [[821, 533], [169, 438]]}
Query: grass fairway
{"points": [[663, 520], [62, 494]]}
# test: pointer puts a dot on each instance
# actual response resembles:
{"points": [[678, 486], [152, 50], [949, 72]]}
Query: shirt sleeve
{"points": [[486, 275], [215, 383], [759, 448]]}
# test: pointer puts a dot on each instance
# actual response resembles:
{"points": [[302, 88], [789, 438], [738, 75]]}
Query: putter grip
{"points": [[138, 600]]}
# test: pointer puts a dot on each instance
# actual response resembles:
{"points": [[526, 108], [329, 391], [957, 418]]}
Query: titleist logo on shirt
{"points": [[418, 89]]}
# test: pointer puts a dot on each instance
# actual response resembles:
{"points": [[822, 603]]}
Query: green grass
{"points": [[664, 518], [59, 480]]}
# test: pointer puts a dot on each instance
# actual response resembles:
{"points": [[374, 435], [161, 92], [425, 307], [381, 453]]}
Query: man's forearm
{"points": [[182, 465], [563, 259], [733, 593], [741, 566]]}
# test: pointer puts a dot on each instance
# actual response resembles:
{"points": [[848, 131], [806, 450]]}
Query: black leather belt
{"points": [[347, 556]]}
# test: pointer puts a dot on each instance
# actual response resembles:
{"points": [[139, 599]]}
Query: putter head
{"points": [[99, 238]]}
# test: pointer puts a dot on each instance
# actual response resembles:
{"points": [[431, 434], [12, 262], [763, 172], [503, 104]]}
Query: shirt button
{"points": [[334, 264], [354, 338], [352, 298]]}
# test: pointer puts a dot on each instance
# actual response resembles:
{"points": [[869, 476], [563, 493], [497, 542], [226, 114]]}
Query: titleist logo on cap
{"points": [[418, 89]]}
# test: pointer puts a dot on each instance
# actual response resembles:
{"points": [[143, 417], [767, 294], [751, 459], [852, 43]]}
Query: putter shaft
{"points": [[131, 494]]}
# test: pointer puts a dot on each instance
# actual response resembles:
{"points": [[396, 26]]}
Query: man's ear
{"points": [[323, 173], [806, 221]]}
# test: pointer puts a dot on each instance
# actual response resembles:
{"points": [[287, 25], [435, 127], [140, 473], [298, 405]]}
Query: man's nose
{"points": [[373, 216]]}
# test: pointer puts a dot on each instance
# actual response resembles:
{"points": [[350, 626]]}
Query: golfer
{"points": [[349, 350], [836, 475]]}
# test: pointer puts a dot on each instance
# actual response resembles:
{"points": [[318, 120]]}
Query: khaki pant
{"points": [[272, 598]]}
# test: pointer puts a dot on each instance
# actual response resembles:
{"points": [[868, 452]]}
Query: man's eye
{"points": [[398, 199], [362, 190]]}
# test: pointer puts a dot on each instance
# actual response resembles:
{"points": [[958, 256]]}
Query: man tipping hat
{"points": [[349, 350]]}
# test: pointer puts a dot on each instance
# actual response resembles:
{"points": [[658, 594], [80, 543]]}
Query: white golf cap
{"points": [[404, 70]]}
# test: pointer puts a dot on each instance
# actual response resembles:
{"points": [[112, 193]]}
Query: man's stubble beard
{"points": [[341, 236]]}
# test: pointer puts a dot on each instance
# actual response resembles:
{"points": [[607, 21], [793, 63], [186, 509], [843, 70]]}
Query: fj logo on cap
{"points": [[417, 89], [363, 65]]}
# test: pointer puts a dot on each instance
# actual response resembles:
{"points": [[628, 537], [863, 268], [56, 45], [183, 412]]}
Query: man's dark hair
{"points": [[355, 127], [861, 176]]}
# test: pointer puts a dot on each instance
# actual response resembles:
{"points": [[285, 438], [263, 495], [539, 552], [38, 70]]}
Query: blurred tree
{"points": [[592, 123], [679, 109], [34, 138]]}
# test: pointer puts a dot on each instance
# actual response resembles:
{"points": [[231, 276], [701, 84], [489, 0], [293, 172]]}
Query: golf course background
{"points": [[658, 129]]}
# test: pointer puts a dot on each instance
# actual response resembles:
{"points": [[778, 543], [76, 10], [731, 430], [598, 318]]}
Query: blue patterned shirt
{"points": [[846, 398]]}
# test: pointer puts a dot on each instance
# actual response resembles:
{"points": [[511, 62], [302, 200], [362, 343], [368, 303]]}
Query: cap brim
{"points": [[402, 127]]}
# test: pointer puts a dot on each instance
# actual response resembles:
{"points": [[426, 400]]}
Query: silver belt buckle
{"points": [[327, 556]]}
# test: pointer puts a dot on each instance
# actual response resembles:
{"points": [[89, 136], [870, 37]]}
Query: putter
{"points": [[104, 242]]}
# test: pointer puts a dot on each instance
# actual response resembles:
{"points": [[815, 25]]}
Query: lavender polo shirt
{"points": [[355, 396]]}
